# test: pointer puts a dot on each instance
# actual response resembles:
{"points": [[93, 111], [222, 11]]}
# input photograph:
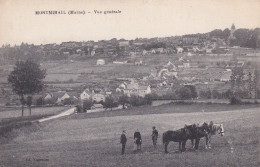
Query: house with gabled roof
{"points": [[57, 97], [62, 97], [86, 94], [133, 88], [48, 96]]}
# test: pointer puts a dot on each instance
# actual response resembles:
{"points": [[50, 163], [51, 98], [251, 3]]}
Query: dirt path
{"points": [[65, 113]]}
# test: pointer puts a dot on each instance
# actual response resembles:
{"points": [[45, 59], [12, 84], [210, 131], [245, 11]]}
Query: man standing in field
{"points": [[123, 140], [154, 136], [137, 140]]}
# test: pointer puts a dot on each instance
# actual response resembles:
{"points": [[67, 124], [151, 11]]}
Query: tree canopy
{"points": [[26, 79]]}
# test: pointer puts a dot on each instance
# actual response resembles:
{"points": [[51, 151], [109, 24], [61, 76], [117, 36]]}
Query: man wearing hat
{"points": [[154, 136], [123, 140]]}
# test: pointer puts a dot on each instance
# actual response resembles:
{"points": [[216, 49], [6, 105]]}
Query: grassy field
{"points": [[167, 108], [66, 70], [94, 142]]}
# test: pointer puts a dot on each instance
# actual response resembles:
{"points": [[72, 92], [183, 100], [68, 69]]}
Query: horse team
{"points": [[188, 132], [192, 132]]}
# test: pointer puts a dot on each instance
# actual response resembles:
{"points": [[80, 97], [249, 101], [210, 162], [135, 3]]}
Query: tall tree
{"points": [[26, 79], [237, 77], [226, 34]]}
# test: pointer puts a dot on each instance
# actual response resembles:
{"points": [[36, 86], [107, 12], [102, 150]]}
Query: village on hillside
{"points": [[192, 66]]}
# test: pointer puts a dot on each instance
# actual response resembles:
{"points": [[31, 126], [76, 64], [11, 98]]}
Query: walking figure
{"points": [[123, 140], [137, 140], [154, 136]]}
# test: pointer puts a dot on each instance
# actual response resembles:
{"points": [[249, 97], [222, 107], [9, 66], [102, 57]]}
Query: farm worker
{"points": [[154, 136], [137, 139], [123, 140]]}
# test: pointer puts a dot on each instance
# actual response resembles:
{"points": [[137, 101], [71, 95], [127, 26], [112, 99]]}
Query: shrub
{"points": [[154, 96], [216, 94], [87, 104], [241, 94], [110, 102], [193, 90], [68, 101], [169, 96], [123, 100], [138, 101], [184, 93], [40, 101], [228, 94], [235, 100], [49, 101], [134, 100], [79, 108], [148, 99], [205, 94]]}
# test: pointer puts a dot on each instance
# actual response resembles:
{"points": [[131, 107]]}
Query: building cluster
{"points": [[192, 44], [128, 87], [201, 60]]}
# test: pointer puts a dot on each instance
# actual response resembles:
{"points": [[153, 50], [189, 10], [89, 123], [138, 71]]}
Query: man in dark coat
{"points": [[123, 140], [137, 139], [154, 136]]}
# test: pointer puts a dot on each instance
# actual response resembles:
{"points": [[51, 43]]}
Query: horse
{"points": [[181, 136], [206, 130], [213, 129], [198, 132]]}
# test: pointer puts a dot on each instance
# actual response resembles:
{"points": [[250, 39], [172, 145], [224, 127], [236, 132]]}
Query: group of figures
{"points": [[138, 139], [192, 132], [188, 132]]}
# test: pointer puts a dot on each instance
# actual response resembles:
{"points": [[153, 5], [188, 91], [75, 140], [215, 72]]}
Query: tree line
{"points": [[243, 37]]}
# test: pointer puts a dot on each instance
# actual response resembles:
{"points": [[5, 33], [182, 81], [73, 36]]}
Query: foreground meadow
{"points": [[95, 141]]}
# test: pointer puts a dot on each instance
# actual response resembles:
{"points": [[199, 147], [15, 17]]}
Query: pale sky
{"points": [[139, 18]]}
